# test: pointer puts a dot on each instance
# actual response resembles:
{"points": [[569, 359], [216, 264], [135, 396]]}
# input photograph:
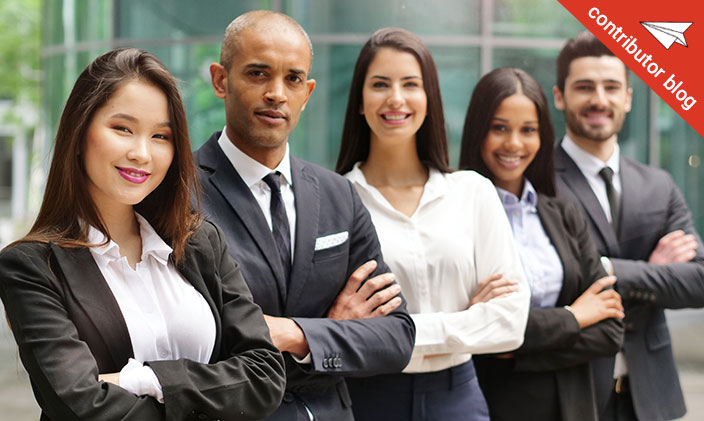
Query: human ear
{"points": [[558, 98], [310, 85], [218, 77]]}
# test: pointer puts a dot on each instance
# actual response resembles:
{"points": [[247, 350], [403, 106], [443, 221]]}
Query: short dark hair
{"points": [[67, 208], [584, 44], [490, 91], [431, 138]]}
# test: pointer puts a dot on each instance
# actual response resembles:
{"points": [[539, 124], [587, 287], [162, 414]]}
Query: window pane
{"points": [[535, 18], [179, 18], [366, 16], [682, 155]]}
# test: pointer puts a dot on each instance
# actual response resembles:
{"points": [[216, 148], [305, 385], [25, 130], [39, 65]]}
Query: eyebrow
{"points": [[594, 81], [388, 78], [263, 66], [506, 120], [135, 120]]}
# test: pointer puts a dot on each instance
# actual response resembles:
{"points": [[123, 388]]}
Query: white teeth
{"points": [[511, 159], [134, 174], [395, 116]]}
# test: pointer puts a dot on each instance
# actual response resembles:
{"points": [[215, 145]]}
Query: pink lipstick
{"points": [[133, 175]]}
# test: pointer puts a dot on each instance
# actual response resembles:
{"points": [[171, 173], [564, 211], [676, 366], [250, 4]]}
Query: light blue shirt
{"points": [[541, 262]]}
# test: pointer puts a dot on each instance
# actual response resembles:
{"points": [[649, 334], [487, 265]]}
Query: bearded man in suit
{"points": [[642, 228]]}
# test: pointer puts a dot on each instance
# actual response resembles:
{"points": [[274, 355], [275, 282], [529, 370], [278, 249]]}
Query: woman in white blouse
{"points": [[443, 234], [123, 302]]}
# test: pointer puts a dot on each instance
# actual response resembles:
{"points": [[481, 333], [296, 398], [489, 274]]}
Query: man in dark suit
{"points": [[641, 225], [306, 244]]}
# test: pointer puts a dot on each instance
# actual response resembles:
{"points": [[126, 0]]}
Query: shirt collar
{"points": [[435, 187], [588, 163], [152, 244], [529, 197], [250, 169]]}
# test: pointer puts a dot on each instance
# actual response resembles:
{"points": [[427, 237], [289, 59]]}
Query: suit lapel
{"points": [[93, 294], [550, 219], [193, 271], [305, 188], [239, 197], [570, 175]]}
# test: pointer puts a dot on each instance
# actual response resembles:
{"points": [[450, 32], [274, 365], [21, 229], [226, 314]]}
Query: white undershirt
{"points": [[152, 298]]}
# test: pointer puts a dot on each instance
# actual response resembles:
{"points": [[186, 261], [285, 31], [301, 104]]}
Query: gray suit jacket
{"points": [[69, 328], [326, 204], [651, 206]]}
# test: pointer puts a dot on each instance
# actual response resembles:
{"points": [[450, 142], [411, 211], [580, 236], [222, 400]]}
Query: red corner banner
{"points": [[660, 41]]}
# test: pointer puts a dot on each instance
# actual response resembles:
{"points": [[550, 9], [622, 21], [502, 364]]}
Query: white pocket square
{"points": [[332, 240]]}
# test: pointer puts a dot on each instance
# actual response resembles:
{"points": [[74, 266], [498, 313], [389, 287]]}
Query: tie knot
{"points": [[607, 174], [273, 181]]}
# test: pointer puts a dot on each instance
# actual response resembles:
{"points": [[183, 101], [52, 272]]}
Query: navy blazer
{"points": [[69, 328], [326, 204], [550, 376], [651, 206]]}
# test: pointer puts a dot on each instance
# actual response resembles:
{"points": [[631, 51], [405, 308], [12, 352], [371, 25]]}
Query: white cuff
{"points": [[305, 360], [140, 380]]}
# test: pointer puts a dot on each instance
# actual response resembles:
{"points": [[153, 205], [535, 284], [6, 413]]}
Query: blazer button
{"points": [[652, 298], [202, 416], [631, 294], [338, 362], [325, 362], [288, 397]]}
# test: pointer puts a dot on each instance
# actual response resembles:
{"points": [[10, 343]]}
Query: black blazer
{"points": [[326, 204], [550, 376], [69, 328], [651, 206]]}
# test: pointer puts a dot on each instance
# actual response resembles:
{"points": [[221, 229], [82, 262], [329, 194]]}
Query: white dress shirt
{"points": [[590, 167], [152, 298], [252, 173], [457, 236]]}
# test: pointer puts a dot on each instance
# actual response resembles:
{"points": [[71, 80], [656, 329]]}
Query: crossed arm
{"points": [[65, 374]]}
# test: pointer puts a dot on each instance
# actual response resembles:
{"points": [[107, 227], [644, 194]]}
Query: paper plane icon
{"points": [[668, 33]]}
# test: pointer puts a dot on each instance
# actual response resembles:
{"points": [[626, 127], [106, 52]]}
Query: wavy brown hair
{"points": [[490, 91], [67, 200], [431, 138]]}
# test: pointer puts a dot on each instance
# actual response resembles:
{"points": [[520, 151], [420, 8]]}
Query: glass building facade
{"points": [[467, 39]]}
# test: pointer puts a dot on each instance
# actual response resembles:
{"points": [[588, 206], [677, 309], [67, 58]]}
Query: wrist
{"points": [[295, 342]]}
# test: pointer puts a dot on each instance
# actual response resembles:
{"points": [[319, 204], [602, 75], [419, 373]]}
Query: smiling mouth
{"points": [[396, 118], [133, 175], [509, 161], [597, 116]]}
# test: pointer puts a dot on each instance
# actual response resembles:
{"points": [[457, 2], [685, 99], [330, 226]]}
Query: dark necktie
{"points": [[279, 222], [607, 174]]}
